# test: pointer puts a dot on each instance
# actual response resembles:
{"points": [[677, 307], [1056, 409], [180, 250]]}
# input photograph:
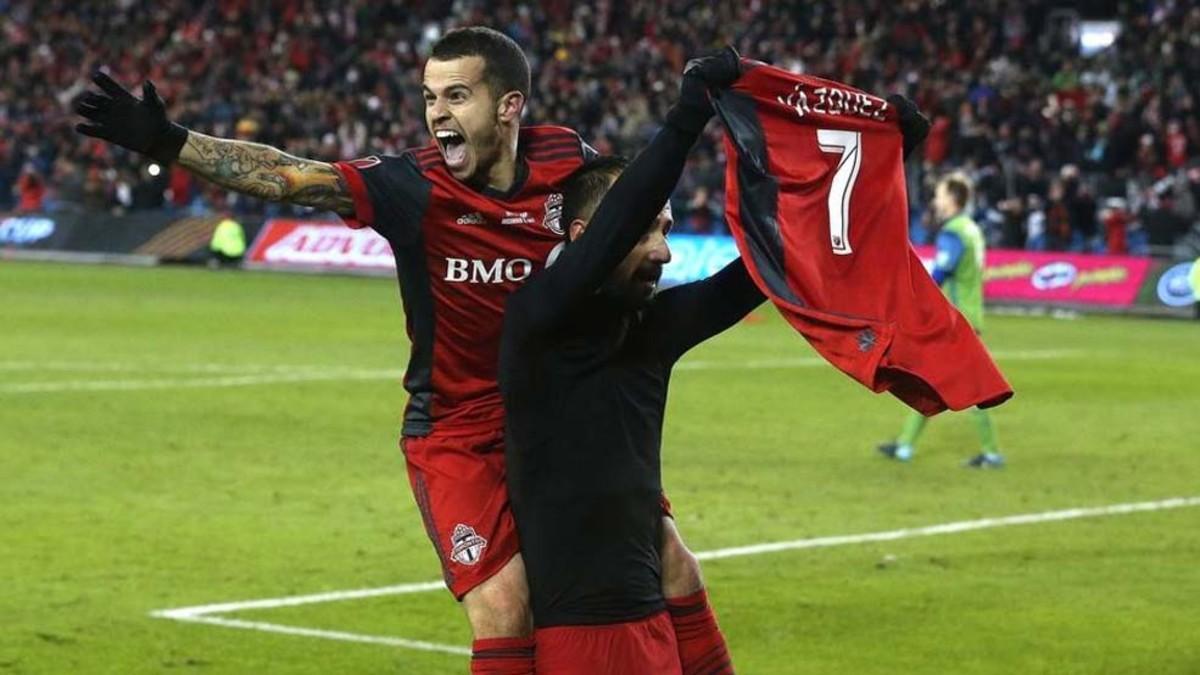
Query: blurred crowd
{"points": [[1096, 152]]}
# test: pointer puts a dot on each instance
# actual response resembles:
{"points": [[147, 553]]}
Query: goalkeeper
{"points": [[958, 269]]}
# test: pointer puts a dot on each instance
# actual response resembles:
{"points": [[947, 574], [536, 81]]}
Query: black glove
{"points": [[913, 124], [140, 125], [715, 70]]}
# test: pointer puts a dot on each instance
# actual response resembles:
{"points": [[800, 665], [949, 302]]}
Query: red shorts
{"points": [[459, 484], [458, 481], [643, 647]]}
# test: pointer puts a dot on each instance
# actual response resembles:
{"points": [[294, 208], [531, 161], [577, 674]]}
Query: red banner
{"points": [[1034, 276], [303, 243]]}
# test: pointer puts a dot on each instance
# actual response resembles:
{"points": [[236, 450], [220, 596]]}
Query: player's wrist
{"points": [[168, 143]]}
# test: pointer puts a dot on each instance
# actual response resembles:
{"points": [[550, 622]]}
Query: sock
{"points": [[912, 429], [502, 656], [701, 646], [987, 432]]}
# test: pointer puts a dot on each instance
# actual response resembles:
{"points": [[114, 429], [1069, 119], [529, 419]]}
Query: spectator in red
{"points": [[937, 144], [1116, 222], [1058, 219], [31, 191], [1177, 145]]}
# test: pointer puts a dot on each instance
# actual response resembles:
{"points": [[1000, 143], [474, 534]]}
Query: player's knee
{"points": [[499, 607], [681, 567]]}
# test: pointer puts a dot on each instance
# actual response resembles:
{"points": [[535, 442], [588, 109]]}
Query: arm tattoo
{"points": [[266, 173]]}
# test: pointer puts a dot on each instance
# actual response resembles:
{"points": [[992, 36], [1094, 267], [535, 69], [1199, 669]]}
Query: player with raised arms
{"points": [[585, 360], [469, 217]]}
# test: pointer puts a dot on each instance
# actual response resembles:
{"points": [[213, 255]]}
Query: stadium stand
{"points": [[1071, 152]]}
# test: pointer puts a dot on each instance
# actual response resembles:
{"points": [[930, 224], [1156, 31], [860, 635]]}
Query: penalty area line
{"points": [[209, 614], [342, 636]]}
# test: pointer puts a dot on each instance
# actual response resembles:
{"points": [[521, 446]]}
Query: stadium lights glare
{"points": [[1095, 36]]}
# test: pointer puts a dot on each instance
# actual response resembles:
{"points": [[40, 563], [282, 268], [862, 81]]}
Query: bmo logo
{"points": [[466, 270]]}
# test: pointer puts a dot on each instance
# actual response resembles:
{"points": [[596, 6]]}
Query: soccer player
{"points": [[958, 269], [586, 357], [469, 217]]}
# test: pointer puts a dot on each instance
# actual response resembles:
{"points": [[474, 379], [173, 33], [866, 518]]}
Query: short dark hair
{"points": [[959, 187], [584, 188], [505, 67]]}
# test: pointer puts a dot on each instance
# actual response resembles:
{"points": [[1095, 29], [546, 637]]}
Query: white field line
{"points": [[418, 645], [207, 613], [254, 375], [292, 601], [952, 528]]}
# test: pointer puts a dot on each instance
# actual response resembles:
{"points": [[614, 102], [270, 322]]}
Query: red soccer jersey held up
{"points": [[459, 253], [815, 197]]}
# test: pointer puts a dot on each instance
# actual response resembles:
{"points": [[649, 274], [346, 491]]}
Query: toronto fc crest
{"points": [[466, 547], [553, 219]]}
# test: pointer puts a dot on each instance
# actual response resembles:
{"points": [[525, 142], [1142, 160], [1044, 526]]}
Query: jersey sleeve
{"points": [[390, 195], [949, 252], [684, 316], [622, 218]]}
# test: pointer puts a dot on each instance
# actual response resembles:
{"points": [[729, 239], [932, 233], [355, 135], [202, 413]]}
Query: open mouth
{"points": [[454, 147]]}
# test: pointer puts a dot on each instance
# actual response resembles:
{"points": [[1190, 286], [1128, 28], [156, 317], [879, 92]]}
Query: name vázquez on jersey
{"points": [[805, 100], [466, 270]]}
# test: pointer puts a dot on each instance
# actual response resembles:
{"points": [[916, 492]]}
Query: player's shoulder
{"points": [[549, 143], [419, 159]]}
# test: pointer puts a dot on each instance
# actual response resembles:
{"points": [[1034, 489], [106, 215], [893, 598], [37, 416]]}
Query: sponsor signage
{"points": [[1067, 278], [25, 230], [1010, 275], [695, 257], [303, 243], [1174, 286]]}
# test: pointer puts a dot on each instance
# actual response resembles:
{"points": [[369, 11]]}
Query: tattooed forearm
{"points": [[264, 172]]}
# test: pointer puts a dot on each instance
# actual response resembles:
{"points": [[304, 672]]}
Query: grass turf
{"points": [[173, 437]]}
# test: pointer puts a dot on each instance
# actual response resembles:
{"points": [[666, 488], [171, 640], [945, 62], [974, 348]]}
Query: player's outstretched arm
{"points": [[115, 115], [266, 173]]}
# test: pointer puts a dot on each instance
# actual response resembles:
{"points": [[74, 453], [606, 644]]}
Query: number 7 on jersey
{"points": [[848, 144]]}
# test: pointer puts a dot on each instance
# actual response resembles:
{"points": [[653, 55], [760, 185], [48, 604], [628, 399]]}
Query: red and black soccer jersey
{"points": [[815, 197], [459, 253]]}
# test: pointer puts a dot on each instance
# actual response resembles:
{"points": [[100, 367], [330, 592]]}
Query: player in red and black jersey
{"points": [[469, 217]]}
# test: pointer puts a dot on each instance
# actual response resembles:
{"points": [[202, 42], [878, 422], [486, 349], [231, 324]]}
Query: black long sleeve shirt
{"points": [[584, 384]]}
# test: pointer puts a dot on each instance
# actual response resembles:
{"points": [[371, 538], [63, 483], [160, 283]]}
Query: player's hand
{"points": [[141, 125], [715, 70], [913, 124]]}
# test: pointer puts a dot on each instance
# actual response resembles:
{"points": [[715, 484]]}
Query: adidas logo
{"points": [[474, 218]]}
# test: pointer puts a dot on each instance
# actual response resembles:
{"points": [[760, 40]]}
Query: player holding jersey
{"points": [[469, 217], [958, 269], [585, 363]]}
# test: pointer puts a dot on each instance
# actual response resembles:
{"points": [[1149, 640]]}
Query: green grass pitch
{"points": [[180, 437]]}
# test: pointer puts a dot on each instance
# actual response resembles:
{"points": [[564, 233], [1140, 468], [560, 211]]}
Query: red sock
{"points": [[502, 656], [701, 646]]}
